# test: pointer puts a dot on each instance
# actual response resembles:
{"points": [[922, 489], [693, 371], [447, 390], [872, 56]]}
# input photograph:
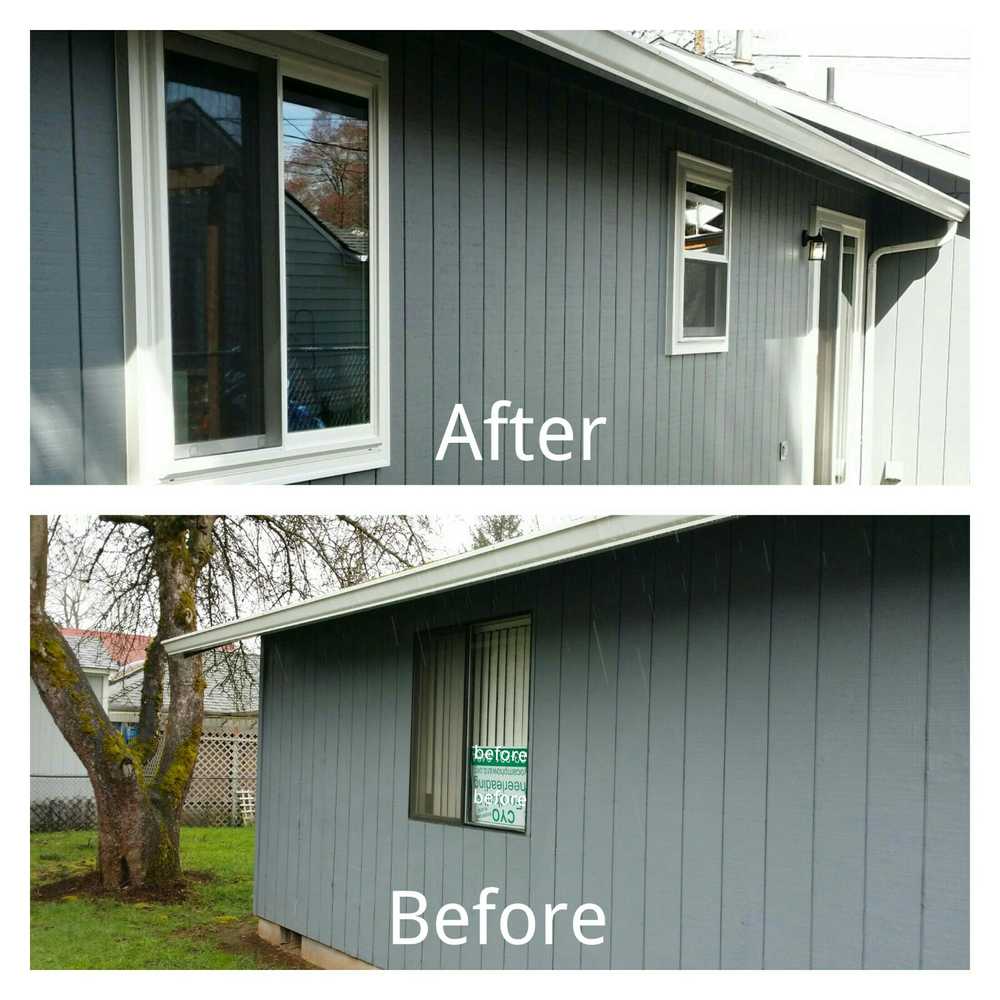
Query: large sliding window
{"points": [[702, 246], [262, 354], [470, 725]]}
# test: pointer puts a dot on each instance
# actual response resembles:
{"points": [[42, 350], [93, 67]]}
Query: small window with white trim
{"points": [[264, 331], [702, 240]]}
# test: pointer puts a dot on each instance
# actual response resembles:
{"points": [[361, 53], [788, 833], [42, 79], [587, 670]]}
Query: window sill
{"points": [[713, 345], [288, 467], [463, 825]]}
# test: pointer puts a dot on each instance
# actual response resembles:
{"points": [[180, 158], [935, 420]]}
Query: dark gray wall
{"points": [[77, 341], [749, 744]]}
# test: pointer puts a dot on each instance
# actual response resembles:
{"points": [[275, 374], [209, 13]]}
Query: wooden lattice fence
{"points": [[227, 767]]}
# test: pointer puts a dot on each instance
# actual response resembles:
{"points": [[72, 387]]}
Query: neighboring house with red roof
{"points": [[121, 647]]}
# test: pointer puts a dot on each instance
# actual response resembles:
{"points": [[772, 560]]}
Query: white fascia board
{"points": [[518, 555], [652, 70]]}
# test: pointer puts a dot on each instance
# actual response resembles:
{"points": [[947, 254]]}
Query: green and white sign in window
{"points": [[498, 786]]}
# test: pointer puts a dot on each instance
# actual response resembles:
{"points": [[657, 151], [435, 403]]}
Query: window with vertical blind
{"points": [[436, 782], [469, 759]]}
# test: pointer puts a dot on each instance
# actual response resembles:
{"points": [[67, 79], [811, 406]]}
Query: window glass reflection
{"points": [[325, 141], [213, 178], [704, 298], [704, 219]]}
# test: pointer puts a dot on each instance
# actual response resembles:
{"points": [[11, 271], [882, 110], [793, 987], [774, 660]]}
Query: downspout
{"points": [[890, 475]]}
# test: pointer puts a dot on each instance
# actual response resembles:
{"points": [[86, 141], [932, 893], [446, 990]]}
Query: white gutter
{"points": [[657, 72], [871, 286], [478, 566]]}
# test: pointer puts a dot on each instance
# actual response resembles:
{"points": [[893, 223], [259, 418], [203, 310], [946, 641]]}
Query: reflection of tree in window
{"points": [[325, 137], [326, 161]]}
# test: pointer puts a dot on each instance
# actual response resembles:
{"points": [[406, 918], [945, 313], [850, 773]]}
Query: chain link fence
{"points": [[62, 802], [222, 792], [327, 387]]}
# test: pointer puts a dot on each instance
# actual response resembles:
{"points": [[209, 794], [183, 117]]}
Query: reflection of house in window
{"points": [[216, 339], [214, 274], [704, 215], [326, 281]]}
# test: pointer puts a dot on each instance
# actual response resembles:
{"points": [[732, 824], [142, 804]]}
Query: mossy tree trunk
{"points": [[139, 788]]}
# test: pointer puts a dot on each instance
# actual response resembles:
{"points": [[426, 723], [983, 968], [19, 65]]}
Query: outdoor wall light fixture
{"points": [[128, 769], [816, 244]]}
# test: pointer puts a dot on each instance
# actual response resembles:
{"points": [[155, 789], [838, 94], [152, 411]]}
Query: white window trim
{"points": [[301, 455], [691, 168]]}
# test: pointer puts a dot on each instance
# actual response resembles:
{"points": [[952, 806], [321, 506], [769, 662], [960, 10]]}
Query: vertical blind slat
{"points": [[500, 679]]}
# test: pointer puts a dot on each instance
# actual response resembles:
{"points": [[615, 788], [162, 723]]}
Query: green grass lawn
{"points": [[212, 929]]}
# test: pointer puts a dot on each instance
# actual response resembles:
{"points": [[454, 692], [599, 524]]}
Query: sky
{"points": [[914, 77], [453, 532], [450, 534], [902, 40]]}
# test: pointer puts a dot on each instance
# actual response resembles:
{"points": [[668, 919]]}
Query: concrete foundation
{"points": [[320, 955], [329, 958], [269, 932]]}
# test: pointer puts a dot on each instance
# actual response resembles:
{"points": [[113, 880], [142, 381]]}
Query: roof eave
{"points": [[642, 67], [466, 569]]}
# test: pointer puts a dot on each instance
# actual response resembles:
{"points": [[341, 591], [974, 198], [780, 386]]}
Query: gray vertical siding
{"points": [[749, 745], [77, 345], [921, 412], [326, 296]]}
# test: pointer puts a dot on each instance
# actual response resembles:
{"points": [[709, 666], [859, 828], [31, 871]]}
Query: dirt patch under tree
{"points": [[89, 885]]}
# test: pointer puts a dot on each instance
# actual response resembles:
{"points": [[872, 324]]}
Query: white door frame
{"points": [[846, 225]]}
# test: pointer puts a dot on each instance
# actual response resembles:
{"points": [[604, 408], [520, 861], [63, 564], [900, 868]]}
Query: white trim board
{"points": [[654, 71], [846, 225], [518, 555]]}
